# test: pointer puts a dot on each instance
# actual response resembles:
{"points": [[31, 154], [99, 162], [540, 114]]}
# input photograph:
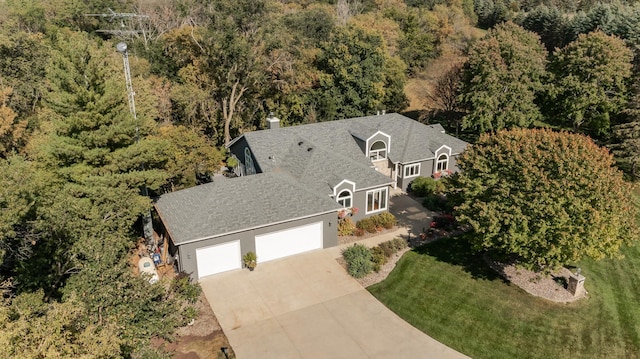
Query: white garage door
{"points": [[289, 242], [219, 258]]}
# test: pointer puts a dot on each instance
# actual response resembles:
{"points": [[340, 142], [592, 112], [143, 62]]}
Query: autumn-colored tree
{"points": [[544, 198], [590, 81], [503, 75]]}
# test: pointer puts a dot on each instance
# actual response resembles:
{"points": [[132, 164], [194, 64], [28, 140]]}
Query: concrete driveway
{"points": [[306, 306]]}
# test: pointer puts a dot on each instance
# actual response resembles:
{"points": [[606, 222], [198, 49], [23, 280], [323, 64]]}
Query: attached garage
{"points": [[219, 258], [213, 225], [288, 242]]}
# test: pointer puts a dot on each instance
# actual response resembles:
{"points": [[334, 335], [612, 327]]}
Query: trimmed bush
{"points": [[386, 220], [359, 260], [378, 257], [346, 227], [387, 248], [368, 224], [358, 232], [399, 244], [424, 186]]}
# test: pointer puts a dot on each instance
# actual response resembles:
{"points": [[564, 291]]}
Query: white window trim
{"points": [[416, 172], [349, 197], [445, 161], [377, 152], [386, 200]]}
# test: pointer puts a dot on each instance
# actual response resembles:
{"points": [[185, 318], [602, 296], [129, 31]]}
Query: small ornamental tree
{"points": [[546, 198]]}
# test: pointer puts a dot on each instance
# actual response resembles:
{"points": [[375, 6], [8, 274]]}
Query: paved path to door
{"points": [[306, 306]]}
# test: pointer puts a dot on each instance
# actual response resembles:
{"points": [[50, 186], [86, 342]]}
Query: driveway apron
{"points": [[306, 306]]}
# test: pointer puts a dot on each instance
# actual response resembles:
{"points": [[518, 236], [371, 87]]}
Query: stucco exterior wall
{"points": [[187, 252]]}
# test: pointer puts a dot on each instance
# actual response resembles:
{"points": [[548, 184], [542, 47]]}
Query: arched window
{"points": [[443, 163], [344, 198], [249, 169], [378, 151]]}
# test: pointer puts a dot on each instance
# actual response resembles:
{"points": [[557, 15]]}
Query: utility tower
{"points": [[112, 16], [147, 225]]}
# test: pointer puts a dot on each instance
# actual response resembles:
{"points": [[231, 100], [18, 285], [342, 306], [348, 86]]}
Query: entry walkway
{"points": [[307, 306]]}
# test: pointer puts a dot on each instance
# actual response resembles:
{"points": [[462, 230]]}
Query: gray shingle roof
{"points": [[335, 153], [230, 205]]}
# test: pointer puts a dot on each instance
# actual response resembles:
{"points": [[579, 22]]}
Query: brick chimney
{"points": [[272, 121]]}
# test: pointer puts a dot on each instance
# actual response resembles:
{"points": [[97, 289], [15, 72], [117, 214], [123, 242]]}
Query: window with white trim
{"points": [[412, 170], [378, 151], [377, 200], [345, 198], [443, 163], [249, 169]]}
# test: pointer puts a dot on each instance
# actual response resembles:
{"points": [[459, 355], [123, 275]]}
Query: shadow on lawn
{"points": [[457, 250]]}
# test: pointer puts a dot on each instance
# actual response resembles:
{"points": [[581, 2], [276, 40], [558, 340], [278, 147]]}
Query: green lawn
{"points": [[444, 290]]}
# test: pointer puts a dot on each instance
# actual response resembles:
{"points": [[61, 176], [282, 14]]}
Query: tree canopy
{"points": [[544, 198], [501, 79]]}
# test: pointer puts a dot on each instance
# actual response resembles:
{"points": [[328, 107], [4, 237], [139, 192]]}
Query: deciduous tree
{"points": [[590, 81], [503, 75], [546, 198]]}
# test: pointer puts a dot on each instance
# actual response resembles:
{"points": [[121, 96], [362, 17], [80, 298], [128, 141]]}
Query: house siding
{"points": [[187, 252], [427, 168]]}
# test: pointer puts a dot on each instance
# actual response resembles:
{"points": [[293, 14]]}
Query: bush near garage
{"points": [[376, 222], [362, 260], [359, 260]]}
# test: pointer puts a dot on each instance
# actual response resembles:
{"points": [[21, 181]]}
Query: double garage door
{"points": [[228, 256]]}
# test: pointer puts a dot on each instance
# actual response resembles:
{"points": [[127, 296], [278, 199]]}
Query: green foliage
{"points": [[358, 258], [550, 24], [378, 257], [385, 220], [353, 76], [424, 186], [590, 86], [182, 286], [548, 198], [436, 202], [502, 78], [250, 260], [346, 227], [380, 220], [32, 328], [367, 224]]}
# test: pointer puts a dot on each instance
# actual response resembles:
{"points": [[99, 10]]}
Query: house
{"points": [[292, 183]]}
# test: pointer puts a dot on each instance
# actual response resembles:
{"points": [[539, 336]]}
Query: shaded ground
{"points": [[201, 340]]}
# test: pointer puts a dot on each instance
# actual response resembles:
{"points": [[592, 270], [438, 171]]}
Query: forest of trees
{"points": [[72, 158]]}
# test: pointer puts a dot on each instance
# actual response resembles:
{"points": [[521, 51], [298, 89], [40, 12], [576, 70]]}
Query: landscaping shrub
{"points": [[373, 223], [367, 224], [399, 244], [446, 222], [359, 260], [346, 227], [387, 248], [378, 257], [386, 220], [436, 202], [358, 232], [184, 288], [423, 186]]}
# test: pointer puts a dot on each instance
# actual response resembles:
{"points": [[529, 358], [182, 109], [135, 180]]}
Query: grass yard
{"points": [[449, 293]]}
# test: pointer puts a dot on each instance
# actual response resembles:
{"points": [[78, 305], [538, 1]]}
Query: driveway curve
{"points": [[307, 306]]}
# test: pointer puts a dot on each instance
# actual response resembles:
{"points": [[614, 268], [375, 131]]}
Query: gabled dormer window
{"points": [[443, 163], [345, 198], [378, 151]]}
